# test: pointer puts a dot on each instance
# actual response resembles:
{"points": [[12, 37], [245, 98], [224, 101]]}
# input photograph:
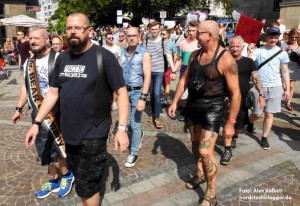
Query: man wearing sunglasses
{"points": [[210, 72], [23, 48]]}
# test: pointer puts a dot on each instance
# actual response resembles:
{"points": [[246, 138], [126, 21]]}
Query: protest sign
{"points": [[249, 29]]}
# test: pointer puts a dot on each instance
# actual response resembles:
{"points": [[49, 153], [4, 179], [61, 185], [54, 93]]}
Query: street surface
{"points": [[165, 163]]}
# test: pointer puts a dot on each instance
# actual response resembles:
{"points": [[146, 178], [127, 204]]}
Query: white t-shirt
{"points": [[42, 73], [116, 50], [270, 72]]}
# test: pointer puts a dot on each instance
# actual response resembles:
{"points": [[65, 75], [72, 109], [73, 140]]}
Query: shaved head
{"points": [[133, 29], [210, 26]]}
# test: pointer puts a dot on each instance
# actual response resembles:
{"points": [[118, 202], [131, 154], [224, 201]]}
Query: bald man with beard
{"points": [[210, 75]]}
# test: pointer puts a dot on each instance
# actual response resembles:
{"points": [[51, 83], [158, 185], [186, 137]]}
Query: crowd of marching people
{"points": [[72, 84]]}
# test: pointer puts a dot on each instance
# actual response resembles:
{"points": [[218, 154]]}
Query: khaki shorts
{"points": [[273, 97]]}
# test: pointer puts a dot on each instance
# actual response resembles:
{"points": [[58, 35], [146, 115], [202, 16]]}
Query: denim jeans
{"points": [[134, 121], [157, 79], [44, 144]]}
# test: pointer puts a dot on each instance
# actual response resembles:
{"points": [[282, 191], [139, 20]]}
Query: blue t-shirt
{"points": [[270, 72]]}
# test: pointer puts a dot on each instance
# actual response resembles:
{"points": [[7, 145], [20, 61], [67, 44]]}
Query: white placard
{"points": [[119, 12], [119, 19], [163, 14]]}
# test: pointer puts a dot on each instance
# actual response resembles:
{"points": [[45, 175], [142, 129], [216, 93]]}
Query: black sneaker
{"points": [[142, 136], [264, 143], [131, 160], [250, 127], [233, 142], [226, 157]]}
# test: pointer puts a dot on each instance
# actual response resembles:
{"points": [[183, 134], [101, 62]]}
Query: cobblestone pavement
{"points": [[254, 176]]}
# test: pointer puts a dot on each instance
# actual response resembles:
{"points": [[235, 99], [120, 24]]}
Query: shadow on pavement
{"points": [[177, 151], [115, 185], [291, 133]]}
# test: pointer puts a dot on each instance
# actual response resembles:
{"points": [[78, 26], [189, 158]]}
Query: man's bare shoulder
{"points": [[228, 64]]}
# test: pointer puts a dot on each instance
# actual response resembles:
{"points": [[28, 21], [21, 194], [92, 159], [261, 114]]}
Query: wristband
{"points": [[261, 95], [231, 120], [124, 128], [144, 94], [38, 123], [19, 109], [143, 98], [173, 72]]}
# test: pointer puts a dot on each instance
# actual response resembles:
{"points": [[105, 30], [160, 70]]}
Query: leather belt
{"points": [[129, 89]]}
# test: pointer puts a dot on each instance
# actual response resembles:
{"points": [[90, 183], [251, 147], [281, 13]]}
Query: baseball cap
{"points": [[57, 36], [273, 30]]}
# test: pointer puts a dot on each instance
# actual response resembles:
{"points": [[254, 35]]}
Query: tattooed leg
{"points": [[195, 131], [206, 150]]}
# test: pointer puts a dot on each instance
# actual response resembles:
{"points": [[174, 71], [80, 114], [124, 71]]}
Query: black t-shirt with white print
{"points": [[75, 75]]}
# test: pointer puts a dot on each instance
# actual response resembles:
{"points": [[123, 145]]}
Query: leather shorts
{"points": [[207, 112]]}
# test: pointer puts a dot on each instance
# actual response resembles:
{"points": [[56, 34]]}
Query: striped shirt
{"points": [[156, 52]]}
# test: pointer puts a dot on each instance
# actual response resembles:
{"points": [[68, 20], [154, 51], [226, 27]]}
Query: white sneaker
{"points": [[131, 160]]}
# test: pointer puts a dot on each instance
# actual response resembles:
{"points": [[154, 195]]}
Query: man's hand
{"points": [[287, 94], [261, 101], [31, 136], [121, 139], [140, 106], [173, 76], [228, 130], [17, 116], [251, 47], [172, 110]]}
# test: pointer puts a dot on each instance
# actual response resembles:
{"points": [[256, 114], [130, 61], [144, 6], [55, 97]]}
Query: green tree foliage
{"points": [[227, 5], [103, 12]]}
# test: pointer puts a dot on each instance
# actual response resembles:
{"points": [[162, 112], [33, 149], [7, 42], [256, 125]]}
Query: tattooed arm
{"points": [[230, 71]]}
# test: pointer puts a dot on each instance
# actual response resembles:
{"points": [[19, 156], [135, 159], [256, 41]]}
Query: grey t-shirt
{"points": [[156, 52]]}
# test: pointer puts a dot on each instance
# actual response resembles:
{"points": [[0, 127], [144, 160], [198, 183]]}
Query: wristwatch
{"points": [[124, 128], [261, 95], [173, 72], [231, 120]]}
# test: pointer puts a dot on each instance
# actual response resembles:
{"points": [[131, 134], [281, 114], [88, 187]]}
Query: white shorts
{"points": [[273, 97]]}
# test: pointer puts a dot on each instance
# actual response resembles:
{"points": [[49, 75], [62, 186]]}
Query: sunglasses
{"points": [[110, 38], [293, 37]]}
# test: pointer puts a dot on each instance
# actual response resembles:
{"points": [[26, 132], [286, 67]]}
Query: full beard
{"points": [[76, 45], [39, 50]]}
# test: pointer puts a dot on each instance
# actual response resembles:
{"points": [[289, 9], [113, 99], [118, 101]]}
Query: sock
{"points": [[264, 138], [235, 136], [227, 147], [67, 174]]}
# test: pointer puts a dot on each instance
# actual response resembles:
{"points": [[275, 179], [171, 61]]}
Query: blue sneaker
{"points": [[66, 184], [47, 189]]}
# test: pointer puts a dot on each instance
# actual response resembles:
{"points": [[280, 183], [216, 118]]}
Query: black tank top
{"points": [[216, 84]]}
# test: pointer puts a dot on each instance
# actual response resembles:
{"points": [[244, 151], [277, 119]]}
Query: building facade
{"points": [[48, 8], [290, 12], [10, 8], [258, 9]]}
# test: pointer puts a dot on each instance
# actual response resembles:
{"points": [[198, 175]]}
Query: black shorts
{"points": [[207, 112], [242, 118], [87, 162]]}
